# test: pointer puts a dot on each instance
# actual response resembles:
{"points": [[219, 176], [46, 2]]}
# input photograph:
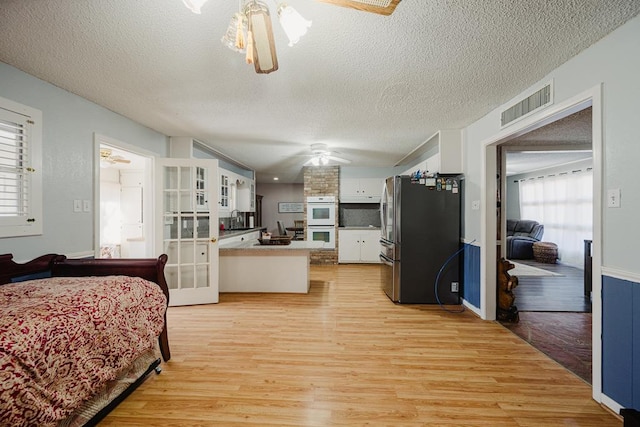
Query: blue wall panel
{"points": [[471, 275], [636, 346], [617, 340]]}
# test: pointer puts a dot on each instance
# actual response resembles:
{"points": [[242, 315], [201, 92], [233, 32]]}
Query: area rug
{"points": [[527, 270]]}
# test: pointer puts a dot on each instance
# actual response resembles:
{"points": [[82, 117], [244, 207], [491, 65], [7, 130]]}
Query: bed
{"points": [[77, 336]]}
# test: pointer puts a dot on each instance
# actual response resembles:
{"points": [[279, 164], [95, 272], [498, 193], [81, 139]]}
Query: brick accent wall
{"points": [[322, 181]]}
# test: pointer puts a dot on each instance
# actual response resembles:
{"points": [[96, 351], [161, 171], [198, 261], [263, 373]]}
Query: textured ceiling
{"points": [[570, 140], [371, 87]]}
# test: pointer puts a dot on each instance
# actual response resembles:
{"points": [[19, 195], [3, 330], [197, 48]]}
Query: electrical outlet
{"points": [[454, 286], [77, 205]]}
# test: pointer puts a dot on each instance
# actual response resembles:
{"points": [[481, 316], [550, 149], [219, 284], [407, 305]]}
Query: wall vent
{"points": [[525, 107]]}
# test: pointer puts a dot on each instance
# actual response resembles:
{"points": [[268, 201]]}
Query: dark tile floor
{"points": [[564, 337], [555, 316], [552, 293]]}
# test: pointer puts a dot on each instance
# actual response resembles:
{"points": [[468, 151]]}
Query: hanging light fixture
{"points": [[260, 33], [293, 24], [235, 38], [194, 5], [250, 31]]}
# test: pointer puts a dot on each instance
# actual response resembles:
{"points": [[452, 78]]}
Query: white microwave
{"points": [[321, 210]]}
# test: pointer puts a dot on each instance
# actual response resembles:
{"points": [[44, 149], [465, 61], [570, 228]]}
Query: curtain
{"points": [[563, 203]]}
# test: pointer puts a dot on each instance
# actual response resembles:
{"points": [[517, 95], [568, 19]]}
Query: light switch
{"points": [[86, 205], [475, 205], [613, 198], [77, 205]]}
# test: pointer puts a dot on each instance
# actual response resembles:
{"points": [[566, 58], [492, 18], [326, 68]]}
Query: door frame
{"points": [[148, 196], [591, 97]]}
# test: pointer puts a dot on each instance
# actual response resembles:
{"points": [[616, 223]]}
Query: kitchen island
{"points": [[247, 266]]}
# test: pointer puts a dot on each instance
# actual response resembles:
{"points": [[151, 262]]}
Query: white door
{"points": [[187, 218]]}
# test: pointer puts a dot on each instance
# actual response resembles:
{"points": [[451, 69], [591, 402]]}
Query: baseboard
{"points": [[472, 308]]}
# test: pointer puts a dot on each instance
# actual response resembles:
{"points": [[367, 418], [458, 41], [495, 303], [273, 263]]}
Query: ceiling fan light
{"points": [[261, 34], [234, 38], [315, 161], [293, 24], [194, 5]]}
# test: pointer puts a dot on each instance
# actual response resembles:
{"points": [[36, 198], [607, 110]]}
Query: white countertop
{"points": [[362, 227], [228, 233], [255, 245]]}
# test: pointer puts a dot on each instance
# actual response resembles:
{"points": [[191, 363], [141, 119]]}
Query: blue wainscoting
{"points": [[621, 341], [471, 275]]}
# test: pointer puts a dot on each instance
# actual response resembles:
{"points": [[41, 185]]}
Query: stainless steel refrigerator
{"points": [[421, 230]]}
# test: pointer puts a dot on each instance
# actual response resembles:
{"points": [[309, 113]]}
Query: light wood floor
{"points": [[344, 355]]}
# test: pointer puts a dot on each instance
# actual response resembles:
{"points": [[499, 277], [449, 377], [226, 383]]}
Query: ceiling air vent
{"points": [[523, 108]]}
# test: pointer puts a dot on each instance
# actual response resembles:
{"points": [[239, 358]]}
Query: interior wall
{"points": [[606, 73], [69, 124], [274, 194], [610, 61]]}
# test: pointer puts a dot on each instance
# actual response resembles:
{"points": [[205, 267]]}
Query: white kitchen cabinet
{"points": [[359, 246], [223, 199], [246, 195], [445, 148], [360, 190]]}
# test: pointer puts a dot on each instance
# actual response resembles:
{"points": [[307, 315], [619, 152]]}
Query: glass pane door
{"points": [[187, 238]]}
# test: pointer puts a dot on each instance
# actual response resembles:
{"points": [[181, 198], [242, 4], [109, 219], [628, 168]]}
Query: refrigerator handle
{"points": [[386, 260], [386, 243], [383, 208]]}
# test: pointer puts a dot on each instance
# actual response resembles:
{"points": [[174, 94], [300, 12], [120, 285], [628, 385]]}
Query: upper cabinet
{"points": [[223, 184], [236, 186], [360, 190], [443, 152], [237, 193], [245, 195], [450, 151]]}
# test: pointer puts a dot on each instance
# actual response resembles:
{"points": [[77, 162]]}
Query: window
{"points": [[564, 204], [20, 170]]}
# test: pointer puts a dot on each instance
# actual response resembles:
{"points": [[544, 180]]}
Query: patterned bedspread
{"points": [[62, 339]]}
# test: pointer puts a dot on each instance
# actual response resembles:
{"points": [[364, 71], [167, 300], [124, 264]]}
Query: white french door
{"points": [[187, 218]]}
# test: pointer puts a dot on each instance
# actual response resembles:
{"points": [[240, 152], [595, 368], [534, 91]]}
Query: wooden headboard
{"points": [[59, 266], [9, 269]]}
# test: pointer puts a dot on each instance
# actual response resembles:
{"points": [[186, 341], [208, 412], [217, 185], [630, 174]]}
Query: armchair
{"points": [[521, 235]]}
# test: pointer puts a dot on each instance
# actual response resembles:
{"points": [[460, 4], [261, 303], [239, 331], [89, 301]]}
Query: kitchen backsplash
{"points": [[359, 215]]}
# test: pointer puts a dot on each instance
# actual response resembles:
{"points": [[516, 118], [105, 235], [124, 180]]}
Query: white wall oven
{"points": [[321, 210], [321, 220], [323, 233]]}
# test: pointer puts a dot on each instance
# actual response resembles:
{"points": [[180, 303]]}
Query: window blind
{"points": [[15, 167]]}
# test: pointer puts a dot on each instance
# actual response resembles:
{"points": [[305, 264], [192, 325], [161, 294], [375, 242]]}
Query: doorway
{"points": [[546, 177], [490, 226], [124, 215]]}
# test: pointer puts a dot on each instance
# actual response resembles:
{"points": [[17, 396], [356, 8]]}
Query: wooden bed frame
{"points": [[60, 266], [54, 265]]}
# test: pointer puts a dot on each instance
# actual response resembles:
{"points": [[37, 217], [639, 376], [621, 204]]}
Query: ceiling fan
{"points": [[320, 155], [382, 7], [107, 156]]}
